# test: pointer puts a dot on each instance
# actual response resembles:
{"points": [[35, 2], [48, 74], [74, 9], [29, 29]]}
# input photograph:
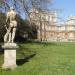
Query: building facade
{"points": [[49, 28]]}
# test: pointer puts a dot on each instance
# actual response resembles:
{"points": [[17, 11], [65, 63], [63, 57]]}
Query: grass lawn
{"points": [[43, 59]]}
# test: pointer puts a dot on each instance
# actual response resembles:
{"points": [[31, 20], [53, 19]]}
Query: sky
{"points": [[65, 8]]}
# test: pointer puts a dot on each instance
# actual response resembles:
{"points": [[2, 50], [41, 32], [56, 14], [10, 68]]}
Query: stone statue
{"points": [[9, 45], [11, 29]]}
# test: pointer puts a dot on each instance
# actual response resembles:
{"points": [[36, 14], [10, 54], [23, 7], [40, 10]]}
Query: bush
{"points": [[25, 30], [2, 28]]}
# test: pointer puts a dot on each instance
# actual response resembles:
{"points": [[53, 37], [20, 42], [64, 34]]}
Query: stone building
{"points": [[49, 28]]}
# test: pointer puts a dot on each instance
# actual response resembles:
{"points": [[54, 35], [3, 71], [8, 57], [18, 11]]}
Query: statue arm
{"points": [[6, 21], [7, 18]]}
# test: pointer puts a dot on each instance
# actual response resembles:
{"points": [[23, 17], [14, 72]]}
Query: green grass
{"points": [[43, 59]]}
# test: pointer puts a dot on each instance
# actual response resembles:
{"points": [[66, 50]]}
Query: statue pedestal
{"points": [[9, 56]]}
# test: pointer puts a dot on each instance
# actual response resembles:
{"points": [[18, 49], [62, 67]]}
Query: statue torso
{"points": [[11, 15]]}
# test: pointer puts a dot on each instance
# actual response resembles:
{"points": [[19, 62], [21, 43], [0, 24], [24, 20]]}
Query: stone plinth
{"points": [[9, 56]]}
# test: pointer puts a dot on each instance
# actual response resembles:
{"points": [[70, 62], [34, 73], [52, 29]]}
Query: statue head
{"points": [[11, 8]]}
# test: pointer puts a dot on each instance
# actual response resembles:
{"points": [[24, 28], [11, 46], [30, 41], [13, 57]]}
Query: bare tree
{"points": [[24, 7], [4, 5], [40, 5]]}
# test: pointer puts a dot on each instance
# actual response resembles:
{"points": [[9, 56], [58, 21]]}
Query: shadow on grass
{"points": [[24, 54], [26, 59], [46, 43], [39, 42]]}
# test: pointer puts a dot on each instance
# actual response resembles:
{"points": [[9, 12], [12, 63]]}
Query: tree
{"points": [[4, 5], [2, 28], [24, 7], [22, 29], [40, 5], [25, 31], [27, 5]]}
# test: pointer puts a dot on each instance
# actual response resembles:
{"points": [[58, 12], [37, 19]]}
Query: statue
{"points": [[11, 29], [9, 45]]}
